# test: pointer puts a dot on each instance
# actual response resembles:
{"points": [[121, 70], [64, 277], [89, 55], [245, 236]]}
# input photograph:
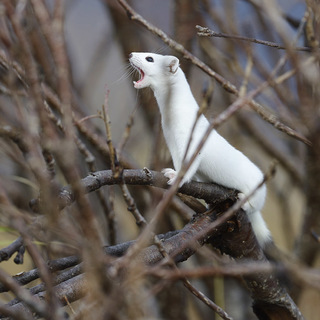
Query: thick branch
{"points": [[210, 192]]}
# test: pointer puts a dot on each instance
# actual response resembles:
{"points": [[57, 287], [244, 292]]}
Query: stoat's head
{"points": [[154, 69]]}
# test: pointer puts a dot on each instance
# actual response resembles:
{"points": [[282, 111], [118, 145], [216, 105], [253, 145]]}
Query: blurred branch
{"points": [[131, 38], [206, 300], [7, 252], [264, 287], [186, 15], [291, 165], [31, 301], [53, 101]]}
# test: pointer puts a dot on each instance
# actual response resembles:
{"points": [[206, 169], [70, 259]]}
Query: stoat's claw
{"points": [[246, 206], [170, 174]]}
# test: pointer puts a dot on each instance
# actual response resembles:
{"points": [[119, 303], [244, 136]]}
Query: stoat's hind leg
{"points": [[170, 174]]}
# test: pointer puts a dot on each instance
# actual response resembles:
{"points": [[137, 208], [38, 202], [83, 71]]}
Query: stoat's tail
{"points": [[260, 228]]}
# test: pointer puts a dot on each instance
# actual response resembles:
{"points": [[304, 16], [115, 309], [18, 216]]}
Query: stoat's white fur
{"points": [[218, 161]]}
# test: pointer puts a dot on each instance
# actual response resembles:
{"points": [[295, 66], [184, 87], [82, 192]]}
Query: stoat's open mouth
{"points": [[141, 73]]}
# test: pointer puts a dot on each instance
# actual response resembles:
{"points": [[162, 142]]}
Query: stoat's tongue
{"points": [[141, 73]]}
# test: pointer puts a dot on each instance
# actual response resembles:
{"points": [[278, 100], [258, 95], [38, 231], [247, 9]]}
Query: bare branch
{"points": [[206, 32], [6, 253]]}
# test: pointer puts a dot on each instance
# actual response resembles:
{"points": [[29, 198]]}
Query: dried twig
{"points": [[223, 314], [116, 167], [206, 32]]}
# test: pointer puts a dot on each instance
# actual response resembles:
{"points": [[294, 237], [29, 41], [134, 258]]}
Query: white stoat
{"points": [[218, 161]]}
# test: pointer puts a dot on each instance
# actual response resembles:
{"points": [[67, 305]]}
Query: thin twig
{"points": [[206, 32], [126, 134], [107, 123], [206, 300], [7, 252], [116, 167]]}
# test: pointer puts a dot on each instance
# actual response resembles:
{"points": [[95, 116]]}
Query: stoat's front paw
{"points": [[170, 174], [246, 206]]}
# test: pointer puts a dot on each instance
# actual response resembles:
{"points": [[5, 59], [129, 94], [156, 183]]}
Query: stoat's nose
{"points": [[130, 55]]}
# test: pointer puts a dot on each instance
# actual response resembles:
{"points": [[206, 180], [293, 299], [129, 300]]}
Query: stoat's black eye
{"points": [[149, 59]]}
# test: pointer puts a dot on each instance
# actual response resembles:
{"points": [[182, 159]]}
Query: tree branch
{"points": [[206, 32], [209, 192]]}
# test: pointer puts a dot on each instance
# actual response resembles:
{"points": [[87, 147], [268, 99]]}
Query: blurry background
{"points": [[99, 37]]}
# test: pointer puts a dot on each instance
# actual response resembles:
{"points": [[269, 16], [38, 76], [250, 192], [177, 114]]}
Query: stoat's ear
{"points": [[174, 64]]}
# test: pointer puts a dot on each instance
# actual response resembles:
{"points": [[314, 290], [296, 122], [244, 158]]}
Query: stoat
{"points": [[217, 161]]}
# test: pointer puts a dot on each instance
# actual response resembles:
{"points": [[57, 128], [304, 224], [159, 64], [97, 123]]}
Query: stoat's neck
{"points": [[175, 99]]}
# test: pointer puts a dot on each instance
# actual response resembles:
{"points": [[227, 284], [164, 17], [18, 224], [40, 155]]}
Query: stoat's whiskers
{"points": [[127, 72]]}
